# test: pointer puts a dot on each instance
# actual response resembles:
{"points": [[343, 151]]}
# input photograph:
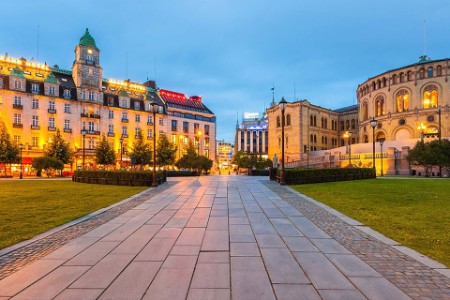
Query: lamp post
{"points": [[283, 104], [421, 129], [373, 123], [21, 160], [381, 150], [347, 135], [121, 148], [83, 133], [154, 106]]}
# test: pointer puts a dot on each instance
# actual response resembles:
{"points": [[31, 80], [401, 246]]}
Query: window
{"points": [[365, 113], [422, 74], [66, 94], [206, 142], [17, 119], [137, 105], [92, 143], [137, 131], [91, 95], [315, 121], [35, 88], [430, 72], [347, 124], [288, 120], [91, 126], [17, 84], [110, 101], [353, 124], [278, 121], [125, 130], [196, 127], [124, 115], [123, 103], [17, 100], [161, 121], [150, 120], [439, 71], [137, 118], [311, 121], [174, 125], [51, 122], [402, 100], [35, 103], [35, 141], [409, 75], [430, 96], [35, 121], [83, 95], [1, 83], [185, 127], [110, 129], [17, 139], [379, 106], [51, 90], [149, 133], [342, 125], [110, 114], [206, 129], [51, 105], [66, 124]]}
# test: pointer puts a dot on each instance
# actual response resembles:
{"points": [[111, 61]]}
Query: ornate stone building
{"points": [[252, 134], [36, 100]]}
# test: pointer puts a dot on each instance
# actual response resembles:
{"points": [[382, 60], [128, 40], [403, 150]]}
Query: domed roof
{"points": [[87, 40]]}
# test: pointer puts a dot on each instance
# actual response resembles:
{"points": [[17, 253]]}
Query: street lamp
{"points": [[199, 133], [421, 129], [373, 123], [121, 148], [83, 133], [381, 149], [283, 104], [21, 160], [154, 107], [347, 135], [180, 142]]}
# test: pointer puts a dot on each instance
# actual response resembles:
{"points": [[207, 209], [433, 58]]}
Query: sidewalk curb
{"points": [[437, 266], [66, 225]]}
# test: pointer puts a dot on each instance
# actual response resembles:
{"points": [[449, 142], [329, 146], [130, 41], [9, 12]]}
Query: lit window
{"points": [[402, 100], [430, 97], [35, 121], [17, 119], [379, 106], [35, 141], [137, 131]]}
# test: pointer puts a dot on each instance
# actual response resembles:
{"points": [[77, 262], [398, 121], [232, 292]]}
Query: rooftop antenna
{"points": [[37, 44]]}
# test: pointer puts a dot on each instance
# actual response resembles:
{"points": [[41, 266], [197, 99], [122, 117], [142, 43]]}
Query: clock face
{"points": [[430, 118], [379, 125]]}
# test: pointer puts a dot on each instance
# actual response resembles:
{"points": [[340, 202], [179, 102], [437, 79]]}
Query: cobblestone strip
{"points": [[415, 279], [17, 259]]}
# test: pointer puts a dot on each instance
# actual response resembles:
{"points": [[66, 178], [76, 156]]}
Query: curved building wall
{"points": [[403, 99]]}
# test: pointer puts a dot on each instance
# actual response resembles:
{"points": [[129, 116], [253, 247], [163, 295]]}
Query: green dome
{"points": [[87, 40], [51, 79], [17, 72]]}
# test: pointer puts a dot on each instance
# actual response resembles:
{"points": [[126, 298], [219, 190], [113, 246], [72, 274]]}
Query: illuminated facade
{"points": [[36, 99], [225, 151], [403, 99], [252, 134]]}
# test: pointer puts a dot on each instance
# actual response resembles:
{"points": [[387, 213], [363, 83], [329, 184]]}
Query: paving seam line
{"points": [[68, 224], [437, 266]]}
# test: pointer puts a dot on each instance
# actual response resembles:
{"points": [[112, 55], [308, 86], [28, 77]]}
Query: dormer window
{"points": [[35, 88], [91, 95], [1, 83], [17, 84], [123, 103], [66, 94], [137, 105], [51, 90]]}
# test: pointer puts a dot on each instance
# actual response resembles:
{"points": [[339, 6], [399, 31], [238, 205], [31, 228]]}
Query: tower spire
{"points": [[273, 96]]}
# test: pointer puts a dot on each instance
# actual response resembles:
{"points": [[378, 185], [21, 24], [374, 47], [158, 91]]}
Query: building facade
{"points": [[252, 134], [225, 151], [36, 100]]}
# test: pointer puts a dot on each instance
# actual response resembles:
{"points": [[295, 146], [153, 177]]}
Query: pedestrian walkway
{"points": [[222, 237]]}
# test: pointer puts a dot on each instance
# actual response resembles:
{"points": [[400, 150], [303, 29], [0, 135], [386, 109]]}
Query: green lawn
{"points": [[415, 213], [30, 207]]}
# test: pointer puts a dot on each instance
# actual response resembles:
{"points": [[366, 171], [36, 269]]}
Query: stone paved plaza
{"points": [[216, 237]]}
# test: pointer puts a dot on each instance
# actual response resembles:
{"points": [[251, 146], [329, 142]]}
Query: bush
{"points": [[259, 173], [135, 178], [181, 173], [305, 176], [48, 164]]}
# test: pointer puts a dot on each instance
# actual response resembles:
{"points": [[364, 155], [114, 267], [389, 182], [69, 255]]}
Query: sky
{"points": [[232, 52]]}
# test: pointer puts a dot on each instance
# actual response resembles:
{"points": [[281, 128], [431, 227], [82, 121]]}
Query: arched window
{"points": [[378, 83], [422, 73], [374, 86], [347, 124], [288, 120], [311, 138], [430, 72], [353, 124], [439, 71], [315, 121], [278, 121], [326, 124], [402, 100], [379, 106], [430, 96], [380, 136], [365, 113], [409, 76], [402, 77], [394, 79], [365, 139], [384, 81]]}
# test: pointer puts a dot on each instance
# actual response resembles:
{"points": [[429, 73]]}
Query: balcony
{"points": [[125, 120], [35, 127], [68, 130], [17, 106], [17, 125], [124, 135], [90, 115], [51, 128], [111, 134], [52, 111], [94, 132]]}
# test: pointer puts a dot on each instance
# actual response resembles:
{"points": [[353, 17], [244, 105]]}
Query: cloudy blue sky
{"points": [[232, 51]]}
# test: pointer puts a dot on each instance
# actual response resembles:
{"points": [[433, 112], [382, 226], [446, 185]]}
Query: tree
{"points": [[190, 159], [141, 153], [165, 151], [421, 155], [59, 148], [8, 151], [48, 164], [204, 163], [104, 153]]}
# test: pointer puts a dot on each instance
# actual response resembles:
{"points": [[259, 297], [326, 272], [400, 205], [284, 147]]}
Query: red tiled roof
{"points": [[178, 99]]}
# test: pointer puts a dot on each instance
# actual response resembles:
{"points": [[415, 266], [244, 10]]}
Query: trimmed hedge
{"points": [[259, 172], [306, 176], [134, 178], [172, 173]]}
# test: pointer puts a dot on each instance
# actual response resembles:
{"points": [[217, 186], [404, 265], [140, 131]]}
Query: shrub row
{"points": [[262, 172], [173, 173], [305, 176], [134, 178]]}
